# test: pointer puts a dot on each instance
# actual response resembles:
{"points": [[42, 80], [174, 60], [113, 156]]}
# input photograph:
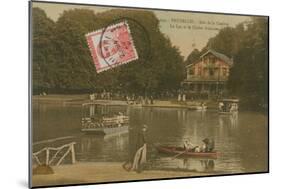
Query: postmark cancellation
{"points": [[111, 46]]}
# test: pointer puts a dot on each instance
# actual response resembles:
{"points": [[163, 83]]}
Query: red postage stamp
{"points": [[111, 46]]}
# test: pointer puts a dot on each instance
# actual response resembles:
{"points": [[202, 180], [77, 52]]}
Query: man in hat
{"points": [[140, 156], [209, 145], [138, 150]]}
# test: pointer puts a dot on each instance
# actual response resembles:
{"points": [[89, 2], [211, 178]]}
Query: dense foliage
{"points": [[62, 62]]}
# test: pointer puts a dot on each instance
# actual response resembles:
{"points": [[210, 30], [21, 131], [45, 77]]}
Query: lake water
{"points": [[240, 139]]}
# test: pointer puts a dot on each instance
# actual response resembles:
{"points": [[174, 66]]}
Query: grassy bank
{"points": [[102, 172]]}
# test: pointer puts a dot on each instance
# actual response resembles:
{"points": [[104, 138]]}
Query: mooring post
{"points": [[47, 156], [73, 153]]}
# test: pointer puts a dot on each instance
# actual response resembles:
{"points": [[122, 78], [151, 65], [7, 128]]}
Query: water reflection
{"points": [[241, 139], [103, 148], [229, 120], [208, 165]]}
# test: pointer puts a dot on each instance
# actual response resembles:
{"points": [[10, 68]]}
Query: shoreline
{"points": [[100, 172], [84, 98]]}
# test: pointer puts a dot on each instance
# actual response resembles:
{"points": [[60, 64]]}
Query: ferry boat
{"points": [[96, 119], [196, 106], [228, 106]]}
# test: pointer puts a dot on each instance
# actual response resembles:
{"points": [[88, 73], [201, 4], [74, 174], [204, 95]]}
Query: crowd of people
{"points": [[110, 95], [129, 98]]}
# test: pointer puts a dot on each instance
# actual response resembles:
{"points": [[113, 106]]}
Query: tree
{"points": [[43, 58], [159, 67], [249, 75], [192, 57], [74, 70]]}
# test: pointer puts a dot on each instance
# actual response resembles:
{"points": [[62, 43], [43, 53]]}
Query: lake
{"points": [[241, 139]]}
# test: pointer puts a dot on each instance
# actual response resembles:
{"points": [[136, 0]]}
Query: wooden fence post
{"points": [[73, 153], [50, 159], [64, 155], [47, 156]]}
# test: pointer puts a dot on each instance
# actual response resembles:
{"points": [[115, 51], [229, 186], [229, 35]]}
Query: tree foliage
{"points": [[43, 50], [247, 44], [68, 64], [249, 75], [192, 57]]}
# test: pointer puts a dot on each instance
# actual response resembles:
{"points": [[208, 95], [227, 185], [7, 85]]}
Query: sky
{"points": [[186, 30]]}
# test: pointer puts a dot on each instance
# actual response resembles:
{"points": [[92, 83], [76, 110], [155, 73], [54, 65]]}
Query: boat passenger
{"points": [[221, 105], [197, 149], [210, 145], [232, 108], [188, 145], [203, 105], [206, 142], [203, 148]]}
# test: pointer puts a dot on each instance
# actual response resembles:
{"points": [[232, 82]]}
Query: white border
{"points": [[14, 93]]}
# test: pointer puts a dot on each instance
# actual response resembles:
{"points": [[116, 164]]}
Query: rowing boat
{"points": [[179, 150]]}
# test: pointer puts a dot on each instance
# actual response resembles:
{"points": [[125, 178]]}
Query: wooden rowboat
{"points": [[179, 150]]}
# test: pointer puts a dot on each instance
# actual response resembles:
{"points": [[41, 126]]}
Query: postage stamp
{"points": [[111, 46]]}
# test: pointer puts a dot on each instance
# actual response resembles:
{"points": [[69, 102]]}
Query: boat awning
{"points": [[229, 100], [95, 103]]}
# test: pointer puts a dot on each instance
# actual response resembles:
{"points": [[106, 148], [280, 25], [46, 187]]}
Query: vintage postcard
{"points": [[125, 94]]}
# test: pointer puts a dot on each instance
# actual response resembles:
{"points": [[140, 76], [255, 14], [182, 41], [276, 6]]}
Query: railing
{"points": [[50, 159], [206, 78]]}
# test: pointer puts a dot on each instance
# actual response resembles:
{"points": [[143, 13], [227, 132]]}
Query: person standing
{"points": [[137, 150], [151, 99], [184, 97], [140, 155], [221, 105], [179, 97]]}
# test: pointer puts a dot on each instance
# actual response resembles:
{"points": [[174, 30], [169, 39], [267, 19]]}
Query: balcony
{"points": [[206, 78]]}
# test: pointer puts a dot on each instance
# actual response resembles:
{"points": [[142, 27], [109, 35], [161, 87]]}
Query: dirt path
{"points": [[100, 172]]}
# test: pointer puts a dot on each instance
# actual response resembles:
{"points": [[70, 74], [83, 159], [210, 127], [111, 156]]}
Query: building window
{"points": [[199, 87], [213, 60], [199, 70], [224, 72], [205, 60], [191, 87], [191, 71], [211, 72]]}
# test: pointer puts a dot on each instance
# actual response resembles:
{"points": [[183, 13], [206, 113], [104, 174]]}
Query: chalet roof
{"points": [[217, 54]]}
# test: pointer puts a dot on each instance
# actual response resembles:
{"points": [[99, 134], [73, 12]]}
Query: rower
{"points": [[188, 145]]}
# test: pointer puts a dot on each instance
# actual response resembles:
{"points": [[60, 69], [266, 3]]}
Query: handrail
{"points": [[52, 140], [49, 160]]}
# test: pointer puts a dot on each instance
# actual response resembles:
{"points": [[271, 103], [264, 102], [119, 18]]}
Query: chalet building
{"points": [[207, 76]]}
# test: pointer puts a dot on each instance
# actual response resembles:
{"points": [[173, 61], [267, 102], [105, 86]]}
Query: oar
{"points": [[178, 155], [154, 145]]}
